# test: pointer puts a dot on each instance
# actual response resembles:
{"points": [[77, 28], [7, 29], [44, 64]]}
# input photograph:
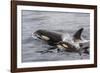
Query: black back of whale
{"points": [[53, 37]]}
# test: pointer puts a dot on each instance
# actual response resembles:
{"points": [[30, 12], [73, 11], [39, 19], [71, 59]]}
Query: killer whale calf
{"points": [[75, 44]]}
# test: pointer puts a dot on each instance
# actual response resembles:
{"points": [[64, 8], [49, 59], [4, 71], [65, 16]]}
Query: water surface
{"points": [[63, 22]]}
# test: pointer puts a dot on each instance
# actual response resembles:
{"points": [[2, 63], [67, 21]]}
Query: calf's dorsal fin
{"points": [[77, 35]]}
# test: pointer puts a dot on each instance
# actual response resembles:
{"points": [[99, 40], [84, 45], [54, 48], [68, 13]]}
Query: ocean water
{"points": [[62, 22]]}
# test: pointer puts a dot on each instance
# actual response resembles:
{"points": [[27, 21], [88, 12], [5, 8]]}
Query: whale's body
{"points": [[65, 42], [50, 37]]}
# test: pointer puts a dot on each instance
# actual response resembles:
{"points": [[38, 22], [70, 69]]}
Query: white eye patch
{"points": [[65, 45], [45, 37], [59, 46]]}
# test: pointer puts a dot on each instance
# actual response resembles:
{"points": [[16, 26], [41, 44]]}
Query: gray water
{"points": [[63, 22]]}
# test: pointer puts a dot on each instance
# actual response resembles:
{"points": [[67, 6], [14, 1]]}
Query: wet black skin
{"points": [[56, 39], [69, 48], [77, 35]]}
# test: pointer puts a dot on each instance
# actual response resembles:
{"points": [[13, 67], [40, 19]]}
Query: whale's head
{"points": [[62, 44], [41, 35], [66, 46], [36, 35]]}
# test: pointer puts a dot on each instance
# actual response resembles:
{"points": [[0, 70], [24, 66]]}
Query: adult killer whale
{"points": [[57, 42]]}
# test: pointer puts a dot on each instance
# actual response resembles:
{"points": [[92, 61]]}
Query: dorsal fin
{"points": [[77, 35]]}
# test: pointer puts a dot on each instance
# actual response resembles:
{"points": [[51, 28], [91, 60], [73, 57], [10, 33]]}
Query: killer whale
{"points": [[50, 37], [55, 39], [66, 46]]}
